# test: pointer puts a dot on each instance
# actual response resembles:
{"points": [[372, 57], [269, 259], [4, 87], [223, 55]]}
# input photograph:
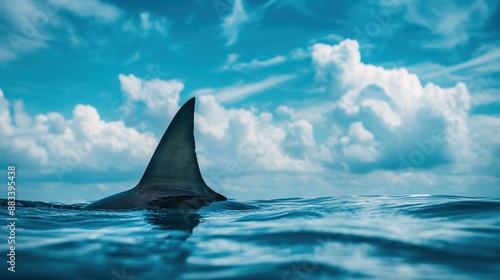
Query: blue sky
{"points": [[294, 98]]}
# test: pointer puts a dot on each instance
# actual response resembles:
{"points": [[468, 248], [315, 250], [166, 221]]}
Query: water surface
{"points": [[353, 237]]}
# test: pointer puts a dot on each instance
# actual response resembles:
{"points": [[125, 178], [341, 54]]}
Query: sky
{"points": [[293, 98]]}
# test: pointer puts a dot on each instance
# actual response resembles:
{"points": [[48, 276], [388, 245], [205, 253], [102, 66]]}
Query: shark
{"points": [[172, 178]]}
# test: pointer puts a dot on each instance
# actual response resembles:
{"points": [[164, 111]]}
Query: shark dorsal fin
{"points": [[174, 160], [172, 178]]}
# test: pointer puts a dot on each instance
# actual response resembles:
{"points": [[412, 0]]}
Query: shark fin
{"points": [[174, 164]]}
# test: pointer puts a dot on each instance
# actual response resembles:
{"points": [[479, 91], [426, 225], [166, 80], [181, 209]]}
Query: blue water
{"points": [[354, 237]]}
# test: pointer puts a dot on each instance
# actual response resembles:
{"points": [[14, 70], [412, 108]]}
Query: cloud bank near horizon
{"points": [[370, 122]]}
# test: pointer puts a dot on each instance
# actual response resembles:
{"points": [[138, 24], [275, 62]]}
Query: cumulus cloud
{"points": [[373, 126], [373, 120], [52, 144], [248, 137], [160, 97], [485, 134], [230, 142], [243, 139], [359, 144], [387, 119]]}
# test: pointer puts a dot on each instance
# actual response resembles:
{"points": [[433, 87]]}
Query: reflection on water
{"points": [[173, 219]]}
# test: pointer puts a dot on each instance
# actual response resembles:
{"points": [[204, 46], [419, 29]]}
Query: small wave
{"points": [[39, 204], [280, 215], [476, 209]]}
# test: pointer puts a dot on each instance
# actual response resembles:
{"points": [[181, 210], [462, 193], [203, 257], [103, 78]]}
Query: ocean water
{"points": [[350, 237]]}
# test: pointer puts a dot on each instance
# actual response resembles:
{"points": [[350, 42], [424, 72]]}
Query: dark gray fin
{"points": [[174, 166]]}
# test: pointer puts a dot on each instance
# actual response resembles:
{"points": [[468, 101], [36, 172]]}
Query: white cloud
{"points": [[243, 141], [359, 133], [52, 144], [371, 124], [146, 23], [49, 143], [231, 142], [231, 59], [30, 25], [233, 64], [392, 115], [253, 64], [359, 144], [232, 23], [328, 39], [299, 5], [241, 91], [22, 35], [299, 54], [373, 119], [21, 118], [453, 27], [485, 134], [160, 96], [304, 130], [249, 139], [476, 70], [135, 57], [236, 136], [92, 8]]}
